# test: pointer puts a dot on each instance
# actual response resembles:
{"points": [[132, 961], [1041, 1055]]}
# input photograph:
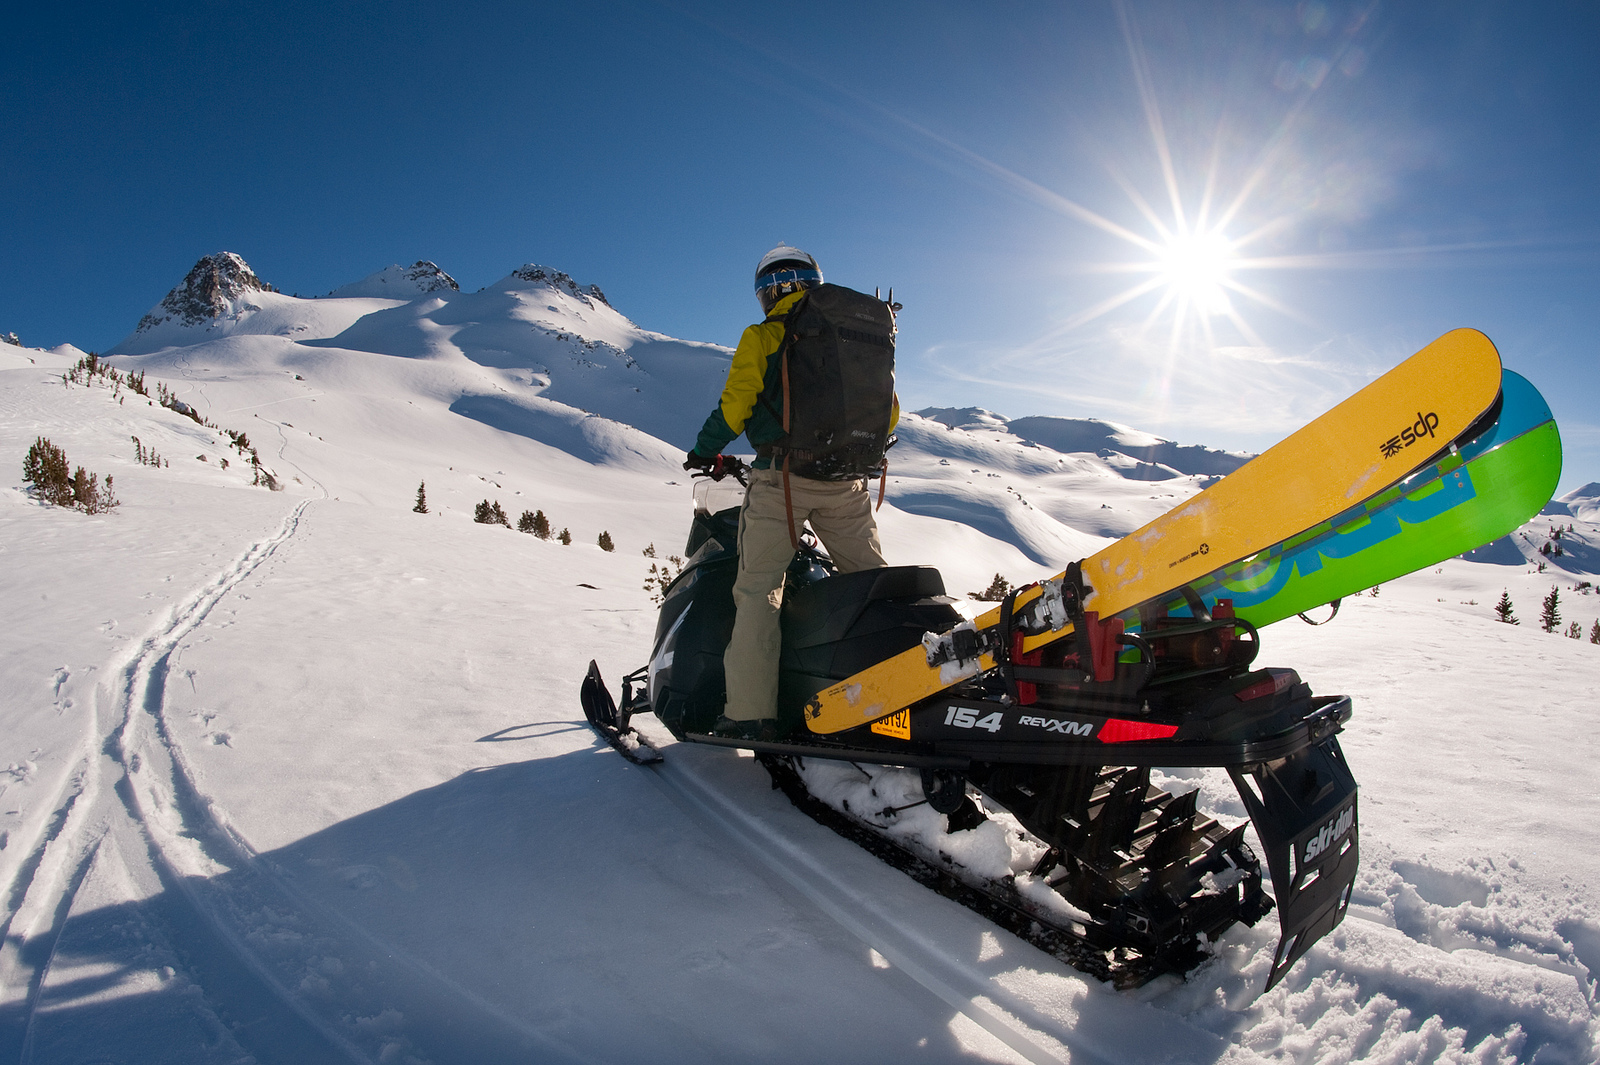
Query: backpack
{"points": [[836, 380]]}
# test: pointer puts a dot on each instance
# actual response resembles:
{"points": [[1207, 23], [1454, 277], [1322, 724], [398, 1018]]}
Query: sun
{"points": [[1197, 270]]}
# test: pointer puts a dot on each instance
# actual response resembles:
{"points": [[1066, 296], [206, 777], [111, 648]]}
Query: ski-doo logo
{"points": [[1056, 724], [1331, 833], [1203, 549], [1422, 427]]}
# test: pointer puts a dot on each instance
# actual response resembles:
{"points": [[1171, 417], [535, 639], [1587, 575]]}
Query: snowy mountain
{"points": [[400, 283], [1134, 454], [1583, 503], [300, 775]]}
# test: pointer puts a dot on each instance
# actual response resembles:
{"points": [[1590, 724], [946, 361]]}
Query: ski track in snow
{"points": [[130, 757], [252, 920]]}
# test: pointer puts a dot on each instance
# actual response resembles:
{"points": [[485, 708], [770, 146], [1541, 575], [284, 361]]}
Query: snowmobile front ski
{"points": [[612, 724]]}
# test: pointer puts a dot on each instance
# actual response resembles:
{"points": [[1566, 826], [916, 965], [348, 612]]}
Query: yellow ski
{"points": [[1362, 446]]}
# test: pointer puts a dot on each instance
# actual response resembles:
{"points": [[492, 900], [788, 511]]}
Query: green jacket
{"points": [[754, 374]]}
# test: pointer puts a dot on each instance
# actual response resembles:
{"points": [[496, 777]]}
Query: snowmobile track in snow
{"points": [[958, 983]]}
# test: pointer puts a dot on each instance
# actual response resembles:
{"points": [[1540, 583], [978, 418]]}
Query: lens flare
{"points": [[1197, 269]]}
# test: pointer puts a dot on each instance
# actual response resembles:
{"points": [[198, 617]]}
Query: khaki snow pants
{"points": [[840, 513]]}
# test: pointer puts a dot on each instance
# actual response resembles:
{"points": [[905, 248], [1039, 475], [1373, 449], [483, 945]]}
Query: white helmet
{"points": [[784, 270]]}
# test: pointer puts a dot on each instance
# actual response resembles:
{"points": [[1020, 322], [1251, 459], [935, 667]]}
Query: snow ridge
{"points": [[558, 280], [1153, 458]]}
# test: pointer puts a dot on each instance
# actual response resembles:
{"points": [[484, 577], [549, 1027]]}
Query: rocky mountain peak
{"points": [[205, 294], [428, 277], [401, 282], [558, 280]]}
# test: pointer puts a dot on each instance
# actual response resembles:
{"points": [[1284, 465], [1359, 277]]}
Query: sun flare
{"points": [[1197, 269]]}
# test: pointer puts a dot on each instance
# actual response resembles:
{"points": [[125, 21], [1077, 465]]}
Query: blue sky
{"points": [[1305, 192]]}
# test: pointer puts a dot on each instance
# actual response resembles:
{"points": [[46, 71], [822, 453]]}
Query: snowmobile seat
{"points": [[906, 582], [836, 627]]}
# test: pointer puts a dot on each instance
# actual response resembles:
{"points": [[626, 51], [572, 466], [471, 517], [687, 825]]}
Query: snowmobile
{"points": [[1063, 738]]}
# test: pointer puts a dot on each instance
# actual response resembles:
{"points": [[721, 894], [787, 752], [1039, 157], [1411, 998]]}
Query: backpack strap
{"points": [[784, 345], [788, 499]]}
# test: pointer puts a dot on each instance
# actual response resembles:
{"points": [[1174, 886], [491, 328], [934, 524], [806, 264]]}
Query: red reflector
{"points": [[1119, 731]]}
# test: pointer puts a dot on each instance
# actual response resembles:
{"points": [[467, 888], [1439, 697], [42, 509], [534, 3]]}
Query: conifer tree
{"points": [[482, 514], [541, 525], [997, 590], [525, 523], [605, 541], [1594, 632], [661, 576], [1502, 609], [498, 516], [45, 467], [565, 537], [1574, 631], [422, 498], [650, 551], [1550, 614]]}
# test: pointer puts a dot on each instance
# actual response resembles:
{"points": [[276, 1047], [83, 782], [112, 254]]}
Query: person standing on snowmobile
{"points": [[789, 486]]}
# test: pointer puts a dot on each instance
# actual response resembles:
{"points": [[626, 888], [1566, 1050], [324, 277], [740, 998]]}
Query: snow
{"points": [[301, 775]]}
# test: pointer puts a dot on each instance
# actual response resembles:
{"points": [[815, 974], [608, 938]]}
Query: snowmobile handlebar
{"points": [[725, 466]]}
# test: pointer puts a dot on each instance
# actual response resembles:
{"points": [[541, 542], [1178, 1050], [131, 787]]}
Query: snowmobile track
{"points": [[1004, 1013]]}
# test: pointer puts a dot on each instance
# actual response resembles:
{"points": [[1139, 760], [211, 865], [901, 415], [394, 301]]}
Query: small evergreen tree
{"points": [[422, 498], [541, 525], [498, 516], [1550, 613], [482, 514], [45, 467], [1574, 631], [649, 551], [1375, 589], [605, 541], [1502, 609], [525, 523], [565, 537], [1594, 632], [661, 576], [998, 589]]}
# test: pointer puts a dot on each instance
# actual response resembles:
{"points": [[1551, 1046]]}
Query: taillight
{"points": [[1119, 731]]}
